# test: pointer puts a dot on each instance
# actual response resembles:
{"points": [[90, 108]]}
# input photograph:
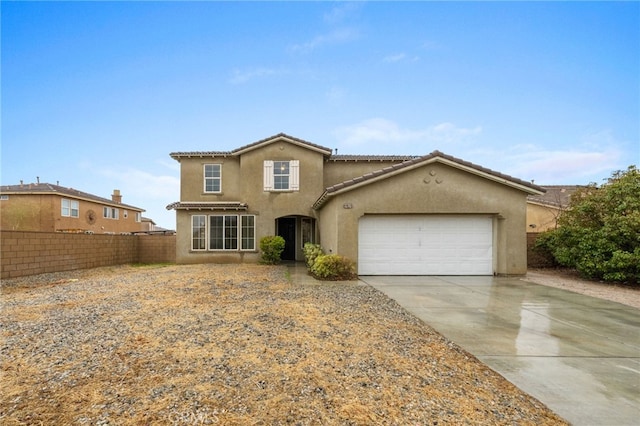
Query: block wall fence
{"points": [[28, 253]]}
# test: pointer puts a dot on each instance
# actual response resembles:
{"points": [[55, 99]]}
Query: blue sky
{"points": [[96, 95]]}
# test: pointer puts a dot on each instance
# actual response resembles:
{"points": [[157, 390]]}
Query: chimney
{"points": [[38, 179], [116, 197]]}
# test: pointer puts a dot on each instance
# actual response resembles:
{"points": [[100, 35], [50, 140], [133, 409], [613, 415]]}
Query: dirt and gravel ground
{"points": [[570, 281], [233, 344]]}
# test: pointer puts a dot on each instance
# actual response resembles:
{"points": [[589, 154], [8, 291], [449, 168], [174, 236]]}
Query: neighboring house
{"points": [[48, 207], [393, 215], [149, 227], [543, 210]]}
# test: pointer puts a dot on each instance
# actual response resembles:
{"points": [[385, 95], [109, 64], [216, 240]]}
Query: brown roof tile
{"points": [[556, 195], [243, 149], [207, 205], [415, 161]]}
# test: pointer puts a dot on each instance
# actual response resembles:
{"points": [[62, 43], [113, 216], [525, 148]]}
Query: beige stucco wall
{"points": [[242, 180], [42, 212], [541, 218], [431, 189]]}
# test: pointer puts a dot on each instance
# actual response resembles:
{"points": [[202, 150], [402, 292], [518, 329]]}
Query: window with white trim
{"points": [[198, 232], [282, 175], [225, 232], [248, 232], [110, 213], [212, 178], [70, 208], [138, 217]]}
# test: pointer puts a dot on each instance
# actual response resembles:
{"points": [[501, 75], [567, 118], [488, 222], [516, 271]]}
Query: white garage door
{"points": [[425, 245]]}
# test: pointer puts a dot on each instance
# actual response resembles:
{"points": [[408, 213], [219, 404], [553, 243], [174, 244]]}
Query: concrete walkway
{"points": [[577, 354]]}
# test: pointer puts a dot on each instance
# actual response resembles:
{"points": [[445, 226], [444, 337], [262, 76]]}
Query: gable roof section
{"points": [[49, 188], [435, 156], [280, 137]]}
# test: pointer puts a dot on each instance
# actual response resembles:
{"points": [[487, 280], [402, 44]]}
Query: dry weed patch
{"points": [[235, 344]]}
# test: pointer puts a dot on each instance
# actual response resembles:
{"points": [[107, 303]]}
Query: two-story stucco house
{"points": [[53, 208], [429, 215]]}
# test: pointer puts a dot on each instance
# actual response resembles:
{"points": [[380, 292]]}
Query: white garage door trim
{"points": [[425, 245]]}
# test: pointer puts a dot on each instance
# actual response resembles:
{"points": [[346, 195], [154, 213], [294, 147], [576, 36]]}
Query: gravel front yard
{"points": [[234, 344]]}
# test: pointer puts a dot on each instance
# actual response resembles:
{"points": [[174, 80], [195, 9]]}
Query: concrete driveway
{"points": [[577, 354]]}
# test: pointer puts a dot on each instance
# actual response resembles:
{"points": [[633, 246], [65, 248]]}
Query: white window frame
{"points": [[270, 173], [213, 179], [69, 208], [243, 233], [110, 213], [138, 217], [200, 237]]}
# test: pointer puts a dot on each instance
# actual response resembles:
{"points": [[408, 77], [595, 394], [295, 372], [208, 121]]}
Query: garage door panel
{"points": [[425, 245]]}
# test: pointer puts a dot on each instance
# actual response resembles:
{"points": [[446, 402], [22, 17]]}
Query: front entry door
{"points": [[287, 230]]}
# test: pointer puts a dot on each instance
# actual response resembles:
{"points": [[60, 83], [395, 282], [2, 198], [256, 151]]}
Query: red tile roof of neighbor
{"points": [[49, 188]]}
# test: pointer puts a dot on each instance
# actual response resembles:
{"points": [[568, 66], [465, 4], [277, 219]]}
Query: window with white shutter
{"points": [[268, 175], [282, 175]]}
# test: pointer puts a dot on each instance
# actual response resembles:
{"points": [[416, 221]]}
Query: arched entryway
{"points": [[296, 231]]}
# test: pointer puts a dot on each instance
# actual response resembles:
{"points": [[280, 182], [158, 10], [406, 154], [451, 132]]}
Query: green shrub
{"points": [[599, 235], [333, 267], [271, 248], [311, 253]]}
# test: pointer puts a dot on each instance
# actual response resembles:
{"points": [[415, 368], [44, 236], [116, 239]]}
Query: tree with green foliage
{"points": [[599, 234]]}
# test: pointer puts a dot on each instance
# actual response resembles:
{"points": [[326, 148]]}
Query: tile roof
{"points": [[371, 158], [251, 146], [207, 205], [416, 161], [49, 188], [556, 195]]}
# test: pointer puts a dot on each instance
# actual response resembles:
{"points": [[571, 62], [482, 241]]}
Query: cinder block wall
{"points": [[156, 248], [28, 253]]}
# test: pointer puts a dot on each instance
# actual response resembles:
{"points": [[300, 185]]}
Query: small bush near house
{"points": [[271, 248], [599, 235], [311, 253], [333, 267]]}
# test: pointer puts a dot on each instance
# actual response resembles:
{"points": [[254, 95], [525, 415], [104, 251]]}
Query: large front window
{"points": [[199, 232], [226, 232]]}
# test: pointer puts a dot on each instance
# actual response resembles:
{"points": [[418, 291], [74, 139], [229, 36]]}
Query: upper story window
{"points": [[212, 178], [70, 208], [282, 175], [138, 217], [110, 213]]}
